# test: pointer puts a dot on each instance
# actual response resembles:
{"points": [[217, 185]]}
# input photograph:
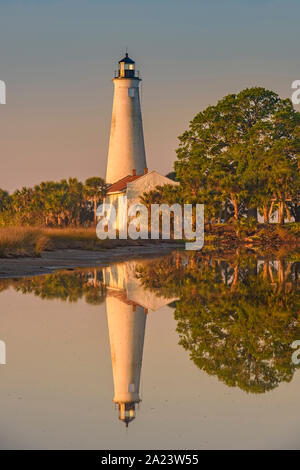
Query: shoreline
{"points": [[71, 259], [33, 252], [51, 261]]}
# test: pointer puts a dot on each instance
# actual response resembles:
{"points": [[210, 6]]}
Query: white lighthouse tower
{"points": [[126, 155]]}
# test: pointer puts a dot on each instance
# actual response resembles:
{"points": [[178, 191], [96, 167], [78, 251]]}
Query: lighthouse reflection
{"points": [[126, 323], [127, 306], [237, 316]]}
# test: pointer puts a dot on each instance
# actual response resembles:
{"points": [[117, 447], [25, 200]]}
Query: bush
{"points": [[244, 226]]}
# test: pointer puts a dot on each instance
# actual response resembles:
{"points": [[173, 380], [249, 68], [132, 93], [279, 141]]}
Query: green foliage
{"points": [[53, 204], [245, 226], [172, 175], [294, 228], [168, 194], [242, 153], [95, 190]]}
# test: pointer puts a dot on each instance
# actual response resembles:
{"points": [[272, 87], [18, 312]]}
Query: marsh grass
{"points": [[74, 238], [84, 239], [21, 242]]}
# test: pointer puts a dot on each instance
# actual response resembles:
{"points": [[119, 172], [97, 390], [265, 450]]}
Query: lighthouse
{"points": [[126, 154], [127, 171]]}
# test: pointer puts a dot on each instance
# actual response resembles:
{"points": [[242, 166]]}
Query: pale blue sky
{"points": [[58, 57]]}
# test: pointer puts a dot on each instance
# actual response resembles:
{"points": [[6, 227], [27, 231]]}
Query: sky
{"points": [[57, 58]]}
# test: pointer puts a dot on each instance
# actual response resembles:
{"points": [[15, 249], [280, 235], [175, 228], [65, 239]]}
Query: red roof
{"points": [[122, 183]]}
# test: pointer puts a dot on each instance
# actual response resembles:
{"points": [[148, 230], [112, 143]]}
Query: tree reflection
{"points": [[236, 317], [65, 286]]}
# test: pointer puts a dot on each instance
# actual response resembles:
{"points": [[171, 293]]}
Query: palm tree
{"points": [[95, 190], [4, 200]]}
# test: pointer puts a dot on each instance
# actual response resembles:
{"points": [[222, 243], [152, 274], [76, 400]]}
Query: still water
{"points": [[180, 352]]}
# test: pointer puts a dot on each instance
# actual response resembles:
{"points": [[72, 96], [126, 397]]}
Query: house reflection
{"points": [[127, 306]]}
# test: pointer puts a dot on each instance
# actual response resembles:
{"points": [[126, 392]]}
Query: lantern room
{"points": [[126, 67]]}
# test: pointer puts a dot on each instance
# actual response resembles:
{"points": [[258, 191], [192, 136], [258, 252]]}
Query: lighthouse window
{"points": [[131, 388], [131, 92], [122, 69]]}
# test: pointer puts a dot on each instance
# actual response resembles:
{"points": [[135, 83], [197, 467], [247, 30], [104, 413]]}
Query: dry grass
{"points": [[83, 239], [73, 238], [21, 241]]}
